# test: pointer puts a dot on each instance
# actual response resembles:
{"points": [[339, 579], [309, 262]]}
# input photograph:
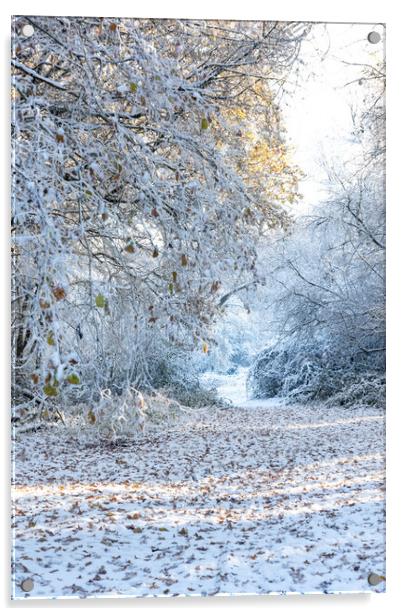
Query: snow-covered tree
{"points": [[139, 188], [327, 280]]}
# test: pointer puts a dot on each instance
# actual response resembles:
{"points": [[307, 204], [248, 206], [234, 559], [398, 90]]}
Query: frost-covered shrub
{"points": [[196, 397], [178, 375], [285, 372], [118, 418], [303, 372], [367, 389]]}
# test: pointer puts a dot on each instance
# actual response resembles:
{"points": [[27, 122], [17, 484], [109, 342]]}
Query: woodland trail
{"points": [[231, 500]]}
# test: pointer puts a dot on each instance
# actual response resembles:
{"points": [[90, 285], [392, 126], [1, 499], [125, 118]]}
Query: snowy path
{"points": [[231, 501]]}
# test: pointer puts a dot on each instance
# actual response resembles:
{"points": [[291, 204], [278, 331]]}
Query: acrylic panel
{"points": [[198, 307]]}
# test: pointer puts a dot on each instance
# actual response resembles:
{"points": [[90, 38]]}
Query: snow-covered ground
{"points": [[232, 388], [235, 500]]}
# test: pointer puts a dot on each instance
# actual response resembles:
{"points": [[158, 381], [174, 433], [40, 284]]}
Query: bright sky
{"points": [[317, 114]]}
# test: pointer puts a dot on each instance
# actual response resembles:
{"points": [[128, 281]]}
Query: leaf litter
{"points": [[229, 501]]}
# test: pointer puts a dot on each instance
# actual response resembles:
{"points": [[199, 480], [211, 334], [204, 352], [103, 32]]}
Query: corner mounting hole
{"points": [[28, 30], [373, 37], [374, 579], [27, 585]]}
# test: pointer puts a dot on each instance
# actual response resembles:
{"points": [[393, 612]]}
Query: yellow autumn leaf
{"points": [[50, 390], [100, 301], [73, 379]]}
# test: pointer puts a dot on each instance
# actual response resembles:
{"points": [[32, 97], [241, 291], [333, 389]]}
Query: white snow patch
{"points": [[232, 388]]}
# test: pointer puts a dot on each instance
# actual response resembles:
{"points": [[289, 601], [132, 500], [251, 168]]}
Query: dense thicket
{"points": [[326, 280]]}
